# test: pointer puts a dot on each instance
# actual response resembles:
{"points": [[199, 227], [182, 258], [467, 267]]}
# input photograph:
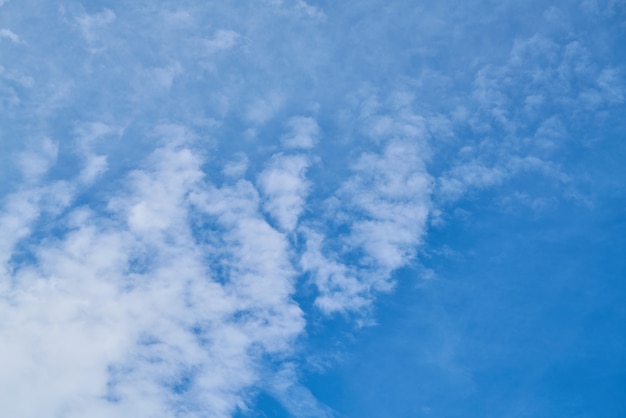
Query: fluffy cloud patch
{"points": [[304, 132], [285, 187], [121, 314], [388, 201]]}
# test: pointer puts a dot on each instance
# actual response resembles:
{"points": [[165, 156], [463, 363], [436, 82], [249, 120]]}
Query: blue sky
{"points": [[289, 208]]}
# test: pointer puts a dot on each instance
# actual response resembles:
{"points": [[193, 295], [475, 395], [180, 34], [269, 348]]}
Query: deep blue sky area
{"points": [[528, 322], [312, 209]]}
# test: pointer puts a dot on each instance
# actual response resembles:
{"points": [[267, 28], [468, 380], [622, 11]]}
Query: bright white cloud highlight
{"points": [[385, 205], [285, 187], [121, 315]]}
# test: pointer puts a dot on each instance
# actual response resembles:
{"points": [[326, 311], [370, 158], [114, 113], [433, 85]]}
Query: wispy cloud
{"points": [[91, 25], [34, 164], [186, 185], [304, 133], [223, 39], [384, 207], [10, 35]]}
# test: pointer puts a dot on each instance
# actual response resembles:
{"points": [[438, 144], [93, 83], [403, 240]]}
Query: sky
{"points": [[289, 208]]}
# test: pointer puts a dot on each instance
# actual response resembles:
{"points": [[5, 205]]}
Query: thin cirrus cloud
{"points": [[191, 190]]}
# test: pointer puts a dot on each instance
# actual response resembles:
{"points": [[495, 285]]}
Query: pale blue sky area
{"points": [[289, 208]]}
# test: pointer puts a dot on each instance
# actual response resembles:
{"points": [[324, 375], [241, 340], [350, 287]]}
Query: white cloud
{"points": [[296, 398], [122, 316], [223, 39], [304, 133], [338, 284], [167, 291], [87, 137], [391, 191], [92, 25], [385, 205], [285, 187], [18, 212], [474, 174], [36, 163], [95, 166], [163, 77], [610, 81], [263, 109], [309, 10], [523, 110], [547, 73], [9, 34], [236, 168]]}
